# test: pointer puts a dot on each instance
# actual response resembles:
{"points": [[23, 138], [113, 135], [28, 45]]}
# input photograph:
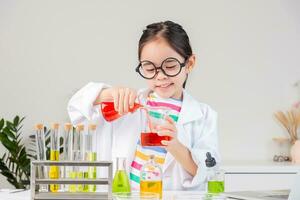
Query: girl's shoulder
{"points": [[193, 110], [189, 103], [205, 108]]}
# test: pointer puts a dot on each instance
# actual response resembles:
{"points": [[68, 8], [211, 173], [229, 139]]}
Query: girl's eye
{"points": [[150, 70], [147, 65], [170, 67], [170, 64]]}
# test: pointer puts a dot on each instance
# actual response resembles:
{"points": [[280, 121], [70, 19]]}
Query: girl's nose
{"points": [[160, 75]]}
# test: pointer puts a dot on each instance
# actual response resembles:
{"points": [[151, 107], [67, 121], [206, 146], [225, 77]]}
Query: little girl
{"points": [[165, 61]]}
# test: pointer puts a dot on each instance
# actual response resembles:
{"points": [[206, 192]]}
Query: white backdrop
{"points": [[247, 59]]}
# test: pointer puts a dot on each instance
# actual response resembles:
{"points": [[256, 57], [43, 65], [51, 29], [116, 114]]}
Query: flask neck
{"points": [[121, 163]]}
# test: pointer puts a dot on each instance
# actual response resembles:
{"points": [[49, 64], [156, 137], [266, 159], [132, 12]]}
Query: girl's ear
{"points": [[190, 63]]}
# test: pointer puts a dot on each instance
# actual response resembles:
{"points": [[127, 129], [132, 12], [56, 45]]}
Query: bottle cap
{"points": [[38, 126], [68, 126], [92, 127], [80, 127], [210, 161], [55, 126]]}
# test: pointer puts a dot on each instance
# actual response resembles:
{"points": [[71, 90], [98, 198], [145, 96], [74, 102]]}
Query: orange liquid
{"points": [[151, 186]]}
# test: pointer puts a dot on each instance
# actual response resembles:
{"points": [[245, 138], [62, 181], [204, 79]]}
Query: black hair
{"points": [[174, 35]]}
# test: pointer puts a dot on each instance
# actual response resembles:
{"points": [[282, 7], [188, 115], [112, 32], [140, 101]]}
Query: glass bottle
{"points": [[54, 155], [215, 176], [151, 177], [41, 154], [121, 181]]}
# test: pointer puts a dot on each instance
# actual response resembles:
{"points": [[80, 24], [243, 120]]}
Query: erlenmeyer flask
{"points": [[121, 181]]}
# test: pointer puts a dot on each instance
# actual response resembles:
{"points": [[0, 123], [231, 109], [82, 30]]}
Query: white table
{"points": [[25, 195], [259, 175]]}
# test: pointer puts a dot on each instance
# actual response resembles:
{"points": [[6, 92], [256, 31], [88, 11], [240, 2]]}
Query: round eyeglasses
{"points": [[170, 67]]}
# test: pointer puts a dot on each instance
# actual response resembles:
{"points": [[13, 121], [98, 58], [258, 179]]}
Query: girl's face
{"points": [[157, 51]]}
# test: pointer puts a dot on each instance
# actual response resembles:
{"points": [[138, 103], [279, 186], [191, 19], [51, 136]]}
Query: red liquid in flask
{"points": [[110, 114], [153, 139]]}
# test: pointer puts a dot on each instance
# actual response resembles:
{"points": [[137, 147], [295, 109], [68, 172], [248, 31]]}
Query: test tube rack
{"points": [[35, 181]]}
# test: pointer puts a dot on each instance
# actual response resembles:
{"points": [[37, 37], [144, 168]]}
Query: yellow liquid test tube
{"points": [[91, 156], [54, 155], [91, 173], [54, 170], [72, 187], [76, 155], [67, 139]]}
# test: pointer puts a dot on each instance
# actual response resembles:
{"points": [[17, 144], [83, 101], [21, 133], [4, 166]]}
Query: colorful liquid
{"points": [[54, 170], [153, 139], [215, 186], [109, 113], [121, 182], [151, 186]]}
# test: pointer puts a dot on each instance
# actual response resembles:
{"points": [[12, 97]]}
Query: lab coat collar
{"points": [[190, 109]]}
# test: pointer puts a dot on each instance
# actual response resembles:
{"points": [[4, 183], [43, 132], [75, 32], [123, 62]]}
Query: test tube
{"points": [[54, 155], [77, 143], [66, 156], [90, 155], [41, 154]]}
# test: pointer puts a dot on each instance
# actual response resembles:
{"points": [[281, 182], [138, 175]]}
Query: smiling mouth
{"points": [[164, 85]]}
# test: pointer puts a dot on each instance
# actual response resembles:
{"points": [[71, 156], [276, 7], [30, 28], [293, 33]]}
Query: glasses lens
{"points": [[171, 67], [147, 69]]}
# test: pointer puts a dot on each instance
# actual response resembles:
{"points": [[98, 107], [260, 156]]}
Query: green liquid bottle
{"points": [[215, 186], [215, 176], [121, 181]]}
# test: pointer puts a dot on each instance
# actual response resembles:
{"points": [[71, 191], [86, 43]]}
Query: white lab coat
{"points": [[196, 129]]}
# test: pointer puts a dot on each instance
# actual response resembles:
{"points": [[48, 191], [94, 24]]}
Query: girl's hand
{"points": [[168, 129], [123, 98], [176, 148]]}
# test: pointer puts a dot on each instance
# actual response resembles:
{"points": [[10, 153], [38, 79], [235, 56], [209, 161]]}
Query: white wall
{"points": [[247, 51]]}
